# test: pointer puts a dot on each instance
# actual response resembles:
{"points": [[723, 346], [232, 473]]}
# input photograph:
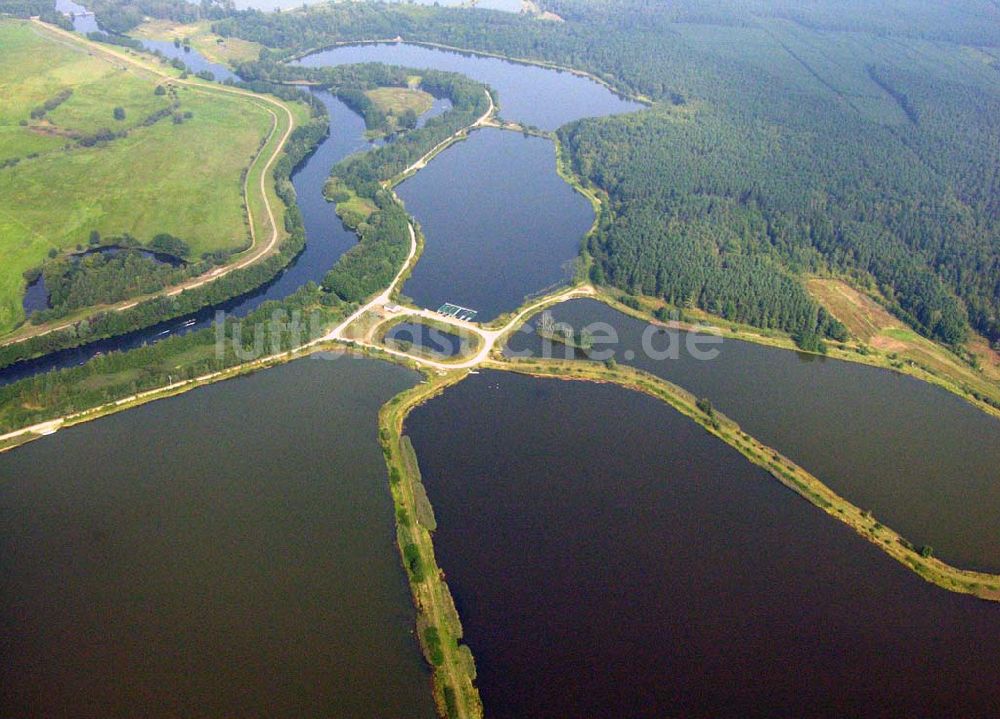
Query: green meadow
{"points": [[181, 174]]}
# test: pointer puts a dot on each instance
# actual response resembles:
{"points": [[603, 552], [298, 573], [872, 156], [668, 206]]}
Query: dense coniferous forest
{"points": [[852, 138]]}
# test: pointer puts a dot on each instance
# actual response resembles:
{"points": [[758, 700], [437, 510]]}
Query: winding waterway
{"points": [[609, 558], [500, 223], [569, 97], [228, 552], [528, 94], [924, 461]]}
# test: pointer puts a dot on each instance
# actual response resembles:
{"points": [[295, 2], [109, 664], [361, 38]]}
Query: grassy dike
{"points": [[20, 437], [979, 584], [438, 625]]}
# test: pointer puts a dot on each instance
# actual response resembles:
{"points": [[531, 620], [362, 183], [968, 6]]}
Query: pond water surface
{"points": [[530, 94], [437, 342], [229, 552], [499, 223], [609, 558], [924, 461]]}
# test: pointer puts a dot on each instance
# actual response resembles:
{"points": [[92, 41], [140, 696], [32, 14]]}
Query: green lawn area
{"points": [[397, 100], [183, 179]]}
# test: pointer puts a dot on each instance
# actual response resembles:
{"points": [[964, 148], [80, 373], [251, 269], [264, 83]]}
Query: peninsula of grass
{"points": [[93, 148], [398, 100], [439, 628], [974, 367]]}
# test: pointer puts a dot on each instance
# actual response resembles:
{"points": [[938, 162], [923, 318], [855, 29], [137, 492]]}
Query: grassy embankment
{"points": [[126, 387], [438, 625], [983, 585], [217, 49], [180, 178]]}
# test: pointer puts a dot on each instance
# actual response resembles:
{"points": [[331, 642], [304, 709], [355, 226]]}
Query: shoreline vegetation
{"points": [[644, 309], [685, 105], [986, 401], [983, 585], [109, 378], [984, 394], [399, 39], [439, 626]]}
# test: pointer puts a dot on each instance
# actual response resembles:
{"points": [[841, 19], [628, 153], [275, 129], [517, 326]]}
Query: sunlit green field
{"points": [[397, 100], [183, 179]]}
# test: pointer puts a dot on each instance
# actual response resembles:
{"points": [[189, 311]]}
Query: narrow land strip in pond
{"points": [[438, 623], [981, 584]]}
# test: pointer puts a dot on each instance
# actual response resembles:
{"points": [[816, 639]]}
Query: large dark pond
{"points": [[230, 552], [530, 94], [499, 223], [926, 462], [611, 559]]}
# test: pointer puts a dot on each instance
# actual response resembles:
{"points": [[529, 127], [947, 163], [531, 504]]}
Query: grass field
{"points": [[397, 100], [184, 179], [871, 323], [224, 51]]}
